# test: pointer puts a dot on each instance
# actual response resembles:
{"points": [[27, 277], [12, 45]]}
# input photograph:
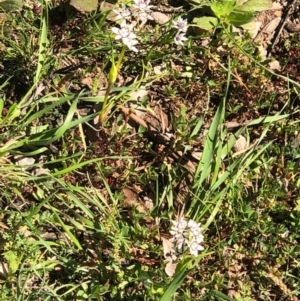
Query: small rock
{"points": [[240, 144], [160, 18], [274, 65], [24, 161]]}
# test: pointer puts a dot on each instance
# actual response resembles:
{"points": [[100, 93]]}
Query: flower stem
{"points": [[113, 73]]}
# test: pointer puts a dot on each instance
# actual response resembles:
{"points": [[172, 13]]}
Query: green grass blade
{"points": [[43, 45], [204, 166], [175, 284], [67, 230]]}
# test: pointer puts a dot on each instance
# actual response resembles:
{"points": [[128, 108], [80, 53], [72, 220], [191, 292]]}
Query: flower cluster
{"points": [[126, 34], [140, 12], [187, 233], [181, 26]]}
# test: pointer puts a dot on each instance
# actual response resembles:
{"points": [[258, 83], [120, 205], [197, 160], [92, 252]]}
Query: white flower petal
{"points": [[132, 48], [180, 24], [195, 247], [125, 33], [180, 39], [192, 223], [115, 30], [173, 232], [178, 236], [182, 224], [132, 36], [123, 24], [123, 14], [199, 238], [187, 233], [142, 5]]}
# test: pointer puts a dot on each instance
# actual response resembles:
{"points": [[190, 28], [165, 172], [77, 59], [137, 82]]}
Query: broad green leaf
{"points": [[85, 6], [43, 46], [211, 141], [222, 9], [185, 263], [197, 128], [174, 285], [255, 6], [217, 164], [252, 28], [113, 73], [268, 119], [206, 23], [238, 18], [10, 5]]}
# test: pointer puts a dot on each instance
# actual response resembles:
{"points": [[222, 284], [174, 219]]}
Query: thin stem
{"points": [[112, 79]]}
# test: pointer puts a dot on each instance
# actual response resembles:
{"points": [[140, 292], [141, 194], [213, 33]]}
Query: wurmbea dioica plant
{"points": [[187, 234], [181, 26], [130, 17], [125, 32]]}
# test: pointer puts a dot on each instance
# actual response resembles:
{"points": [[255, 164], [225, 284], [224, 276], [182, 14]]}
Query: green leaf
{"points": [[251, 27], [238, 18], [298, 204], [268, 119], [11, 115], [222, 9], [67, 230], [85, 6], [38, 129], [13, 261], [255, 6], [174, 285], [211, 141], [11, 5], [52, 135], [206, 23], [43, 46], [1, 106], [113, 73]]}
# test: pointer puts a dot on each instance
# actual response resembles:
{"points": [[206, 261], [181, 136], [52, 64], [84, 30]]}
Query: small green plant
{"points": [[229, 12]]}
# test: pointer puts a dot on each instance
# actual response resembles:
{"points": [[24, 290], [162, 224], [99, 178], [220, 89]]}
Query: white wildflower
{"points": [[194, 247], [123, 14], [179, 39], [180, 225], [143, 16], [192, 224], [126, 34], [141, 10], [187, 233], [179, 240], [181, 25], [195, 229], [142, 5], [176, 235], [197, 235]]}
